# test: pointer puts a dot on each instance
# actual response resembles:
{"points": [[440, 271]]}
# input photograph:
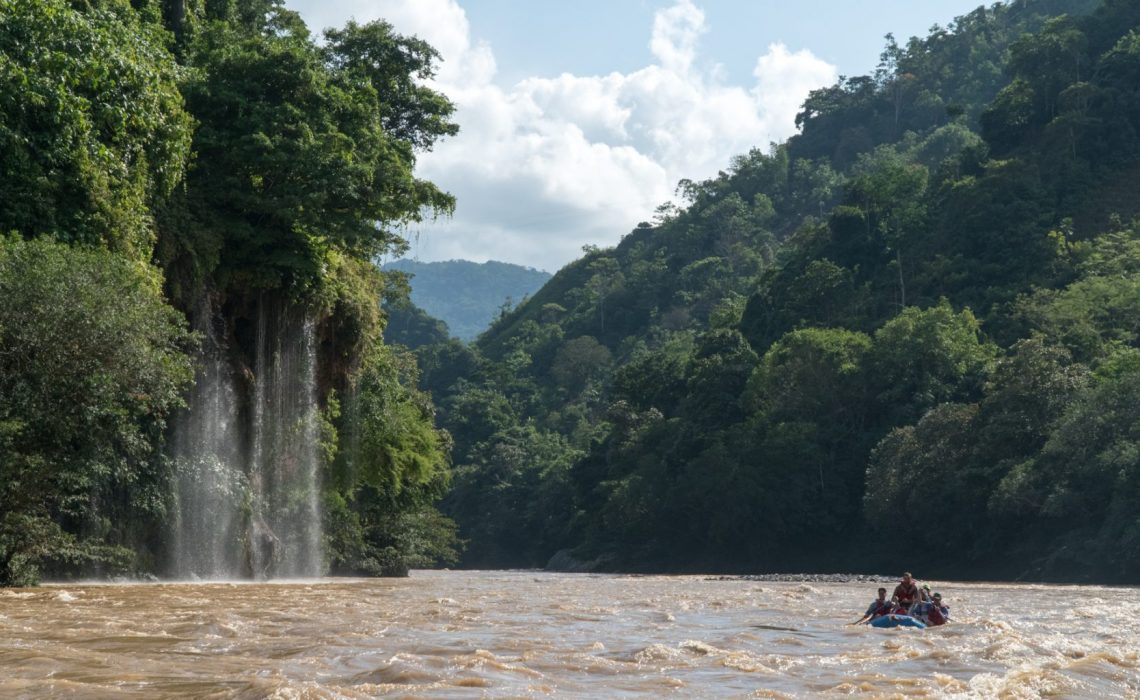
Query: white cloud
{"points": [[783, 80], [549, 164], [675, 34]]}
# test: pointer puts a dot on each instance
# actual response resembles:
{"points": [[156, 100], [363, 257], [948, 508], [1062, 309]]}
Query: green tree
{"points": [[92, 125], [1081, 491], [813, 374], [720, 368], [891, 193], [655, 378], [302, 150], [92, 362], [810, 431], [514, 497], [393, 466], [919, 477], [606, 279], [968, 467], [924, 357], [1049, 61], [1100, 310], [580, 361]]}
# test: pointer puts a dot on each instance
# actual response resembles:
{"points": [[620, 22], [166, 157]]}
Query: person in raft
{"points": [[906, 593], [879, 606], [934, 612]]}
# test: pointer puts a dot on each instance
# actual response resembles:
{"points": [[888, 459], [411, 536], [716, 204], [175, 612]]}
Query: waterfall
{"points": [[284, 464], [247, 455], [209, 485]]}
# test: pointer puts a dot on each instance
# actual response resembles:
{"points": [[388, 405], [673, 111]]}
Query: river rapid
{"points": [[531, 634]]}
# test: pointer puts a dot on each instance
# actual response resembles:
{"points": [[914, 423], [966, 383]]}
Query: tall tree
{"points": [[92, 125]]}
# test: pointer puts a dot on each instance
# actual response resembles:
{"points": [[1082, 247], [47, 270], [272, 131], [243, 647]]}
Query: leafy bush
{"points": [[92, 362]]}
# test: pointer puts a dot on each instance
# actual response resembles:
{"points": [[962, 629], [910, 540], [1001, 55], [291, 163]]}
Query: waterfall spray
{"points": [[248, 458]]}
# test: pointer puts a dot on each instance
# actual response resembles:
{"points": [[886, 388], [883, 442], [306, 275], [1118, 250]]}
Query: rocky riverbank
{"points": [[809, 578]]}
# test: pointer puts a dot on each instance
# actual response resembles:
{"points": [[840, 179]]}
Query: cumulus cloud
{"points": [[549, 164], [675, 34]]}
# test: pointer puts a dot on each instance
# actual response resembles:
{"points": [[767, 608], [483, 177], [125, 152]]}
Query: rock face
{"points": [[263, 549]]}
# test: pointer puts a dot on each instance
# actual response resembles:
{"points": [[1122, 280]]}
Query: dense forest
{"points": [[487, 289], [188, 190], [908, 336]]}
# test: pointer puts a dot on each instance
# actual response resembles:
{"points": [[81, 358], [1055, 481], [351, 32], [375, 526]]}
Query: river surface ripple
{"points": [[527, 634]]}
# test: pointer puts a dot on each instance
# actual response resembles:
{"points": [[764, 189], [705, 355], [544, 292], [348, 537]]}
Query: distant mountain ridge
{"points": [[467, 295]]}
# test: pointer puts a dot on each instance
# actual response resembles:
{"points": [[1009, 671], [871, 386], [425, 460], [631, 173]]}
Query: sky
{"points": [[577, 120]]}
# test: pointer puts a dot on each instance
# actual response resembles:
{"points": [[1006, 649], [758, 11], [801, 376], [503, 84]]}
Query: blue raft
{"points": [[896, 621]]}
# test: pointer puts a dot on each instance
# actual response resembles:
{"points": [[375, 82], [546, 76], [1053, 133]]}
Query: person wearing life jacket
{"points": [[921, 611], [931, 612], [906, 593], [938, 614], [879, 606]]}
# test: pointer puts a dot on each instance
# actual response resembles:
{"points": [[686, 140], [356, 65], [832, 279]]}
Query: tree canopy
{"points": [[204, 164], [919, 309]]}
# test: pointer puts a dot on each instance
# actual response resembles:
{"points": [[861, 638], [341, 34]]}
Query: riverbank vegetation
{"points": [[907, 335], [910, 334], [174, 171]]}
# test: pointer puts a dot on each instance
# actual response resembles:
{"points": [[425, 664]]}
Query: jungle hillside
{"points": [[909, 337], [465, 295]]}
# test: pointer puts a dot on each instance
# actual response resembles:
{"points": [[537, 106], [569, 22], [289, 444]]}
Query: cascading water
{"points": [[210, 485], [247, 456], [284, 466]]}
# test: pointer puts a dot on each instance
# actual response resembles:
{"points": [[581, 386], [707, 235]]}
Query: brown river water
{"points": [[533, 634]]}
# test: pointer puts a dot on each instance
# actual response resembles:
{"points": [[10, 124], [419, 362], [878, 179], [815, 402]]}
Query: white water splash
{"points": [[247, 456]]}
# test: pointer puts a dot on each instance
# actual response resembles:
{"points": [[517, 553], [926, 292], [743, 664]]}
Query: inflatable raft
{"points": [[896, 621]]}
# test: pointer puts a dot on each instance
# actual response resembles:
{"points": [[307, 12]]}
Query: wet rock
{"points": [[565, 562], [262, 549]]}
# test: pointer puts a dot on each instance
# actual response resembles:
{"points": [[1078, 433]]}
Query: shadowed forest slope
{"points": [[920, 314]]}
